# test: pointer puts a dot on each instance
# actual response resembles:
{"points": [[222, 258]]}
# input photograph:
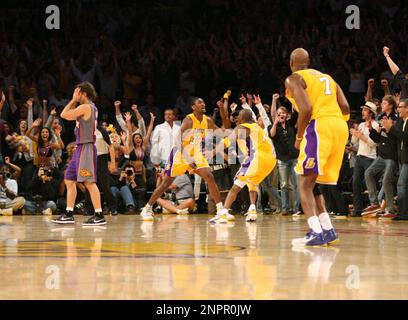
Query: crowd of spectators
{"points": [[148, 60]]}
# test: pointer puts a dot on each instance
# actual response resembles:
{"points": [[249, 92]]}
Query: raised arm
{"points": [[262, 112], [17, 169], [274, 127], [385, 87], [394, 68], [59, 144], [129, 145], [146, 139], [30, 116], [226, 122], [140, 121], [71, 112], [369, 93], [119, 117], [45, 114], [245, 105], [29, 134], [274, 105], [51, 118]]}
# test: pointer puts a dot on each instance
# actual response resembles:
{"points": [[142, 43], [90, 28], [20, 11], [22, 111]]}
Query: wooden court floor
{"points": [[186, 258]]}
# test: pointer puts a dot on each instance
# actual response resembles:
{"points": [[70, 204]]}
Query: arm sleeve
{"points": [[30, 118], [399, 76], [375, 136], [49, 121], [154, 142], [262, 112], [121, 122], [370, 141], [12, 186]]}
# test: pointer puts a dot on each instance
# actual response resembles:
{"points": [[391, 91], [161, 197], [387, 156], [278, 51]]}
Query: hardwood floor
{"points": [[183, 257]]}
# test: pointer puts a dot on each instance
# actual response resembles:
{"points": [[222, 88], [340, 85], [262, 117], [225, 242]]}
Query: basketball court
{"points": [[184, 257]]}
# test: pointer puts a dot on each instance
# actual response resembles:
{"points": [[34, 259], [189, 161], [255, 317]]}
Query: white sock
{"points": [[148, 206], [252, 207], [314, 224], [98, 210], [325, 221], [219, 206], [70, 209]]}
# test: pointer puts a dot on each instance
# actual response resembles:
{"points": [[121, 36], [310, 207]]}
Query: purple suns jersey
{"points": [[85, 129]]}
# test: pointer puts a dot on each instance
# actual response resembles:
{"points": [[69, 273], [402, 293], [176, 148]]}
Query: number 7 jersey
{"points": [[322, 92]]}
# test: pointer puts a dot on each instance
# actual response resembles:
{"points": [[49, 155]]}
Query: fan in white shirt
{"points": [[163, 139]]}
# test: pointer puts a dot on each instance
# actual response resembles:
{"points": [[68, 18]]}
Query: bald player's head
{"points": [[299, 59], [245, 116]]}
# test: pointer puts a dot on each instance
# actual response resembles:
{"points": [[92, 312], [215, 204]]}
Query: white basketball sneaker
{"points": [[147, 213], [251, 216], [222, 216]]}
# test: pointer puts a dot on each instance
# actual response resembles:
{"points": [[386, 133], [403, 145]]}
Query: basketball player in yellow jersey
{"points": [[257, 165], [187, 155], [321, 138]]}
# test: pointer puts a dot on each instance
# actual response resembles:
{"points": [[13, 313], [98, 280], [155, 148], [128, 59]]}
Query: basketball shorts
{"points": [[254, 170], [322, 149], [177, 165], [83, 164]]}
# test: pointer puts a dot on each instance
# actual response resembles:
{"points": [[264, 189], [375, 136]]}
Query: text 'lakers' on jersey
{"points": [[322, 92]]}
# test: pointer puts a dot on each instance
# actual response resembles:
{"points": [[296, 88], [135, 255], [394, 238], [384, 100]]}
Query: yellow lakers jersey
{"points": [[257, 141], [195, 135], [322, 92]]}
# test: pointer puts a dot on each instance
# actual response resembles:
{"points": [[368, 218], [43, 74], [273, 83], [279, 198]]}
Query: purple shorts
{"points": [[82, 166]]}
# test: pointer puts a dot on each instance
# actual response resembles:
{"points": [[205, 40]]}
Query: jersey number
{"points": [[327, 91]]}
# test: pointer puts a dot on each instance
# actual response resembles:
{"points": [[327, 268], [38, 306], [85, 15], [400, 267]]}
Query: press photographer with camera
{"points": [[9, 201], [44, 191], [124, 188], [182, 196]]}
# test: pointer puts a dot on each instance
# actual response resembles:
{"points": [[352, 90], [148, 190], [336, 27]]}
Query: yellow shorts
{"points": [[254, 170], [177, 165], [322, 149]]}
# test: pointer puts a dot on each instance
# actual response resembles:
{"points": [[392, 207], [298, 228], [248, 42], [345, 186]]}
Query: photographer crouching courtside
{"points": [[9, 202]]}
